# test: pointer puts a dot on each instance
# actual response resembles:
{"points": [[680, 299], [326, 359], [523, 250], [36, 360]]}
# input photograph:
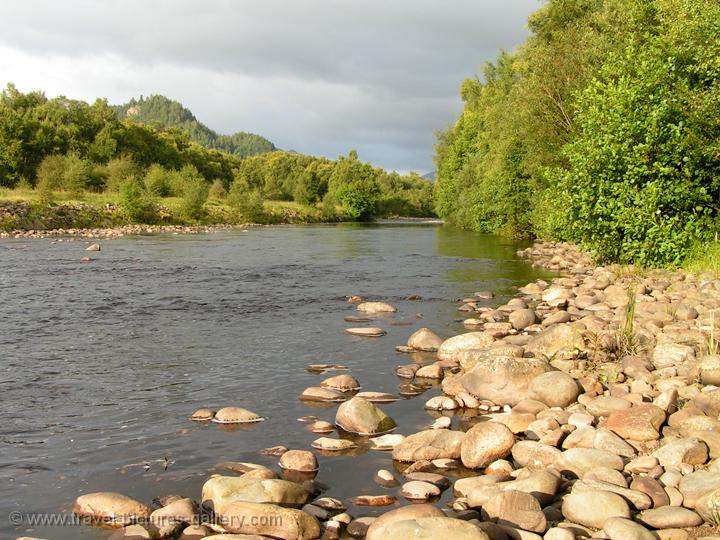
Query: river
{"points": [[101, 363]]}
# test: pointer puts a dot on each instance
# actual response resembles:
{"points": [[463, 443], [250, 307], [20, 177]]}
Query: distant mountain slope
{"points": [[432, 175], [166, 113]]}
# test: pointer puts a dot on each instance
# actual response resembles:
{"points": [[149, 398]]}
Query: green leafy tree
{"points": [[138, 204]]}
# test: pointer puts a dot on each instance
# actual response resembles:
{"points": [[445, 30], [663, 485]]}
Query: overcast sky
{"points": [[316, 76]]}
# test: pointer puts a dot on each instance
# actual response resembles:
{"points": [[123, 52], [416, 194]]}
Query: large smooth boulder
{"points": [[425, 340], [430, 444], [554, 389], [360, 416], [220, 491], [639, 423], [503, 380], [414, 511], [516, 509], [696, 485], [484, 443], [468, 359], [270, 520], [561, 341], [451, 347], [429, 528], [679, 451], [593, 509], [522, 318], [542, 485], [112, 509], [579, 461], [625, 529], [169, 519]]}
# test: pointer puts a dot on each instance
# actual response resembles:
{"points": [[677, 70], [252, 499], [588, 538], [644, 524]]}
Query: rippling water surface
{"points": [[101, 363]]}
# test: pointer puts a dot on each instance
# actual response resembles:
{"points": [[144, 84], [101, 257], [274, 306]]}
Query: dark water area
{"points": [[102, 363]]}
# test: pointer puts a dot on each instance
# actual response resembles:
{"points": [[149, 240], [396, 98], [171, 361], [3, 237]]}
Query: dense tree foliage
{"points": [[73, 147], [602, 129], [166, 114]]}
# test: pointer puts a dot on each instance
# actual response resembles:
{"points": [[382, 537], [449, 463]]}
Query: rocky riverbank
{"points": [[124, 230], [585, 407]]}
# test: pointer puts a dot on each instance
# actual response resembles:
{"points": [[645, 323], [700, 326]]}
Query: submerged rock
{"points": [[366, 332], [202, 415], [333, 445], [317, 393]]}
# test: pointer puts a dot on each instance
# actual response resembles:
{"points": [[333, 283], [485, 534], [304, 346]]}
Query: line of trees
{"points": [[70, 146], [602, 129]]}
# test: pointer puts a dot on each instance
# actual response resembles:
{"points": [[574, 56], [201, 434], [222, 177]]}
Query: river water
{"points": [[102, 363]]}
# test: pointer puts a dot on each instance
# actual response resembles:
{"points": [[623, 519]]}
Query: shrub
{"points": [[50, 173], [117, 170], [194, 197], [246, 203], [217, 189], [157, 180], [138, 204], [643, 171]]}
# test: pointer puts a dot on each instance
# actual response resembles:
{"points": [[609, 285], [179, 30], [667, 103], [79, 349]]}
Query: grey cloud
{"points": [[402, 61]]}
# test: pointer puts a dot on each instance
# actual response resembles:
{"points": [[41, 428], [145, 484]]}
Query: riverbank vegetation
{"points": [[56, 152], [602, 129]]}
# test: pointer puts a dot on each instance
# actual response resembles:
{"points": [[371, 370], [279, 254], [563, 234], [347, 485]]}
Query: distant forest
{"points": [[165, 114]]}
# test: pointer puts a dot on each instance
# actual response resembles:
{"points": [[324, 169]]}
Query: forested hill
{"points": [[165, 113], [602, 129]]}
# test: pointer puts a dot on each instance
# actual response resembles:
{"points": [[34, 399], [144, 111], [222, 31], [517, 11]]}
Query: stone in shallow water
{"points": [[236, 415], [321, 426], [221, 491], [362, 417], [417, 490], [371, 331], [109, 508], [377, 397], [202, 415], [274, 451], [333, 445], [374, 500], [299, 460], [316, 393], [341, 383], [441, 403], [386, 478], [386, 442], [425, 340], [414, 511], [376, 307], [444, 422], [429, 445]]}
